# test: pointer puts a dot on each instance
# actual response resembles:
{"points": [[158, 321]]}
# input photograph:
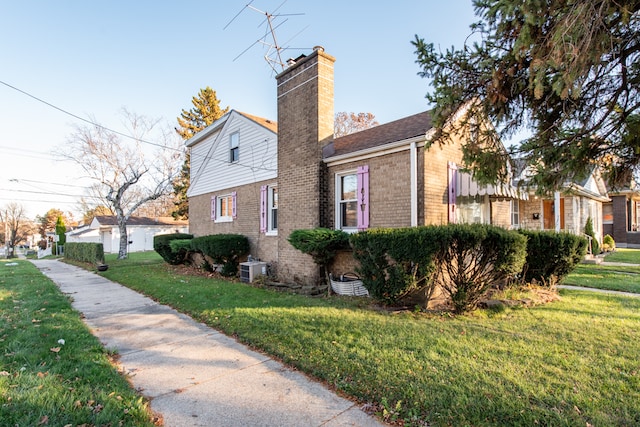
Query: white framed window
{"points": [[269, 209], [352, 200], [223, 207], [272, 210], [473, 210], [515, 213], [346, 201], [234, 147]]}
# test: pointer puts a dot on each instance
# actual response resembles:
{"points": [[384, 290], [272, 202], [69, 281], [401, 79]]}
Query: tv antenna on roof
{"points": [[274, 50]]}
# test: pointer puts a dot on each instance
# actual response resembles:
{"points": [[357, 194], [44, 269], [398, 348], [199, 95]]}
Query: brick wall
{"points": [[436, 181], [305, 125], [247, 222], [389, 190]]}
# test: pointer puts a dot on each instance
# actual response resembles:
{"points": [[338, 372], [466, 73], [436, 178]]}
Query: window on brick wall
{"points": [[269, 209], [607, 213], [234, 147], [515, 213], [352, 200], [223, 207], [473, 210]]}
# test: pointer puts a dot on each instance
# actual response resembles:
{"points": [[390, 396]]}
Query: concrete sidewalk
{"points": [[194, 375]]}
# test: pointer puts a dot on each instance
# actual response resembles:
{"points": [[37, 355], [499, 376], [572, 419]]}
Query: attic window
{"points": [[234, 147]]}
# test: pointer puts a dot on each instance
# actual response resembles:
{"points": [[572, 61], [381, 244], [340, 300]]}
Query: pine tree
{"points": [[61, 229], [206, 110], [568, 72]]}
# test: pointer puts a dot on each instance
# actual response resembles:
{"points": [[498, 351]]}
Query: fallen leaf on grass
{"points": [[44, 420], [55, 349]]}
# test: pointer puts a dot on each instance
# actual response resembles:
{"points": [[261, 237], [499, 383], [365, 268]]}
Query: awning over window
{"points": [[468, 187]]}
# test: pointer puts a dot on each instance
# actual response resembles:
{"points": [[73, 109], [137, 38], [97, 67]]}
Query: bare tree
{"points": [[126, 171], [16, 224], [347, 123]]}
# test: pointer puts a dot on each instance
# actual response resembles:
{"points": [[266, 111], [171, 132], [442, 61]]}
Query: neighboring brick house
{"points": [[386, 176], [567, 210], [621, 216]]}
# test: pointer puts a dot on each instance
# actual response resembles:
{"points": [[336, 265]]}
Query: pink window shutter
{"points": [[213, 208], [363, 197], [452, 170], [263, 209], [234, 210]]}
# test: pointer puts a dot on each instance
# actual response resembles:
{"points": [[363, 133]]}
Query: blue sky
{"points": [[93, 58]]}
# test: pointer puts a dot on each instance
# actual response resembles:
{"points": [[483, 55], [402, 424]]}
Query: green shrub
{"points": [[588, 230], [225, 249], [551, 255], [395, 262], [162, 245], [180, 248], [464, 260], [471, 258], [608, 244], [321, 243], [85, 252]]}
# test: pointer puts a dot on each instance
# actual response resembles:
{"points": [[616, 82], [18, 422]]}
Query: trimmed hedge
{"points": [[551, 255], [464, 260], [162, 245], [225, 249], [394, 262], [85, 252], [472, 258], [321, 243]]}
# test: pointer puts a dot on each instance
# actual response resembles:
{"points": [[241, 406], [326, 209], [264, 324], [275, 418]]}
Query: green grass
{"points": [[631, 256], [613, 278], [46, 381], [570, 362]]}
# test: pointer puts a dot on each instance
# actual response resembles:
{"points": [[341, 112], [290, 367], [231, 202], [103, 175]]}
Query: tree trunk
{"points": [[124, 240]]}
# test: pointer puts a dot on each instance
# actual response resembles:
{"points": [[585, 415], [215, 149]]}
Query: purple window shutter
{"points": [[234, 210], [263, 209], [452, 170], [213, 208], [363, 197]]}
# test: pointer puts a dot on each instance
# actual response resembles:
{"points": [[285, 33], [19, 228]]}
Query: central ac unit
{"points": [[250, 270]]}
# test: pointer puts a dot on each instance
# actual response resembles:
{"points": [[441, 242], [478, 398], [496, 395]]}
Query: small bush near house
{"points": [[162, 245], [321, 243], [181, 248], [471, 258], [85, 252], [588, 230], [608, 244], [225, 249], [551, 255], [395, 262]]}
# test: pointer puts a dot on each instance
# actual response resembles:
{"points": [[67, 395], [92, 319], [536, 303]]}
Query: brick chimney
{"points": [[305, 125]]}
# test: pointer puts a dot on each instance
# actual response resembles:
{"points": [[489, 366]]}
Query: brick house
{"points": [[567, 209], [302, 178], [621, 216]]}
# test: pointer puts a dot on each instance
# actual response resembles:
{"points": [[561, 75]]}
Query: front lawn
{"points": [[52, 370], [613, 278], [631, 256], [570, 362]]}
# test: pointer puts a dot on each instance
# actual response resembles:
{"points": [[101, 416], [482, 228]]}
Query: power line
{"points": [[85, 120], [48, 193], [47, 182], [164, 147]]}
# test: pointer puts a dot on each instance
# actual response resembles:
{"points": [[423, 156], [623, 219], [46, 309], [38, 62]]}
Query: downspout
{"points": [[413, 154], [556, 209]]}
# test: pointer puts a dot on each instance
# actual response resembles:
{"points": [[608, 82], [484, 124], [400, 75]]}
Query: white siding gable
{"points": [[211, 169]]}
